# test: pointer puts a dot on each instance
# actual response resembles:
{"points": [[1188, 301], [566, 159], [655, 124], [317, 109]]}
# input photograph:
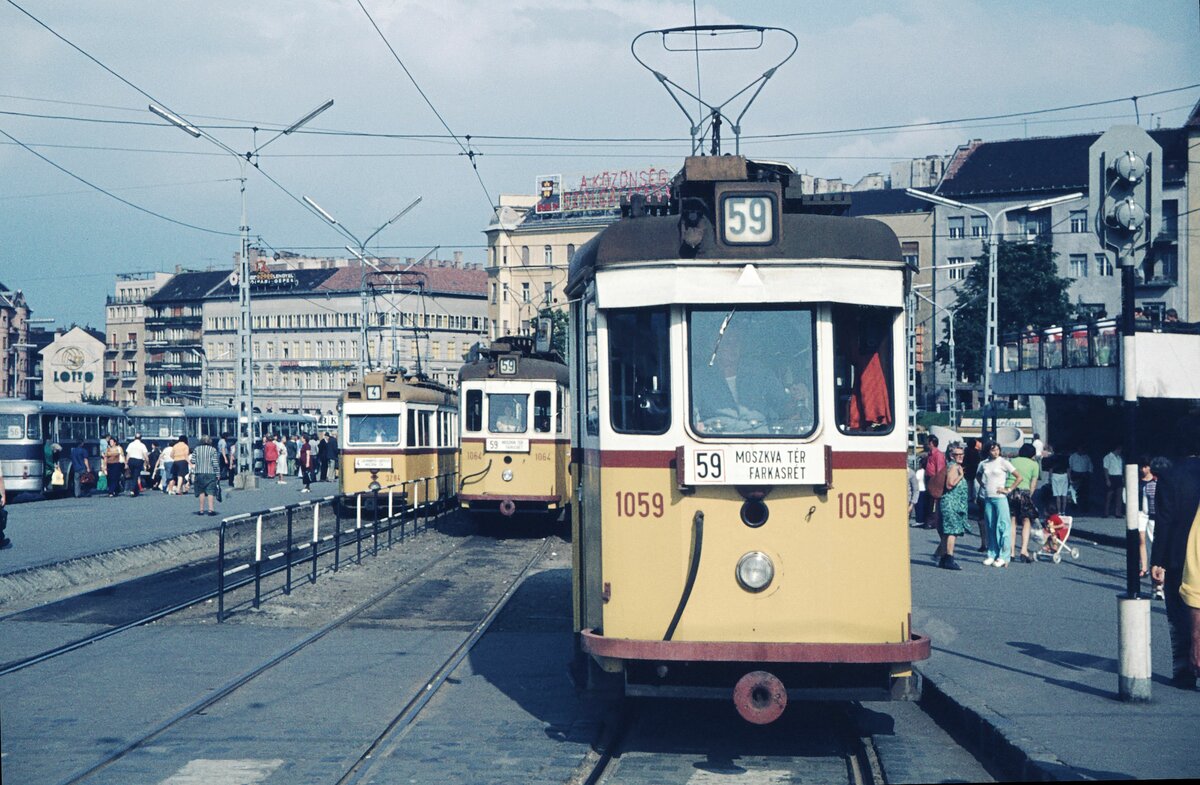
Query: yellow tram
{"points": [[516, 440], [398, 432], [741, 527]]}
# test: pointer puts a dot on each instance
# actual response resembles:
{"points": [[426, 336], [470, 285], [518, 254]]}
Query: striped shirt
{"points": [[205, 457]]}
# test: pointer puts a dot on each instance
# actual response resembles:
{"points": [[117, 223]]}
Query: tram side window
{"points": [[639, 370], [412, 428], [862, 337], [423, 436], [541, 411], [560, 403], [474, 410]]}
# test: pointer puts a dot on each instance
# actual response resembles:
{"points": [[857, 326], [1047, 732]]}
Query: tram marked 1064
{"points": [[515, 454], [395, 431], [740, 527]]}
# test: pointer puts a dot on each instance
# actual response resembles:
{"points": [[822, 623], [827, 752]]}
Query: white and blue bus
{"points": [[160, 424], [37, 435]]}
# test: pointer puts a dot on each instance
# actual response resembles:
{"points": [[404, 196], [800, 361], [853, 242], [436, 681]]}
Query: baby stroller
{"points": [[1054, 536]]}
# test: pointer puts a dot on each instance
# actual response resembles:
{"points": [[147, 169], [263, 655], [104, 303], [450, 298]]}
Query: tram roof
{"points": [[396, 388], [656, 238], [178, 411], [528, 369], [23, 406]]}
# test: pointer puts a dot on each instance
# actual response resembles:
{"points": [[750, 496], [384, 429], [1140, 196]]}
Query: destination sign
{"points": [[507, 445], [756, 464], [372, 464]]}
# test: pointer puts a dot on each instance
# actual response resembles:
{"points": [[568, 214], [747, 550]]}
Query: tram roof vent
{"points": [[699, 168]]}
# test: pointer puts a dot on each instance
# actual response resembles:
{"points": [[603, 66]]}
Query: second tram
{"points": [[515, 440], [741, 524], [398, 433]]}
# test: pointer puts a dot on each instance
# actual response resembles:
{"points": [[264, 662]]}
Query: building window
{"points": [[956, 273], [979, 226], [525, 255], [956, 227], [912, 254], [548, 255], [1079, 265], [1035, 226], [1104, 266], [493, 294], [505, 293], [570, 251], [548, 293], [1078, 221], [525, 292]]}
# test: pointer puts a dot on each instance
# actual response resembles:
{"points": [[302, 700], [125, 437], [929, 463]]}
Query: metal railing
{"points": [[266, 542], [1078, 345]]}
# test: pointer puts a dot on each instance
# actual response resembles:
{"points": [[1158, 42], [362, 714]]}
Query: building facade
{"points": [[15, 360], [73, 366], [125, 331]]}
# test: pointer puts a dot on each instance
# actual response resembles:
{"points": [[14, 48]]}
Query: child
{"points": [[1055, 528]]}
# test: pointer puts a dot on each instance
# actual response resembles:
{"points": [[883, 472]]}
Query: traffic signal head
{"points": [[1125, 190]]}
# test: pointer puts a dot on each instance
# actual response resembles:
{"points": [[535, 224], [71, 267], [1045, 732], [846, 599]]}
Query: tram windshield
{"points": [[506, 412], [374, 429], [752, 371]]}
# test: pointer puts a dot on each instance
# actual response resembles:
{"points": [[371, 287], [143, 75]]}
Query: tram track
{"points": [[393, 729], [633, 749]]}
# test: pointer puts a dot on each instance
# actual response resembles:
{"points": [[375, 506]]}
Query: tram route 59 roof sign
{"points": [[599, 192], [787, 463]]}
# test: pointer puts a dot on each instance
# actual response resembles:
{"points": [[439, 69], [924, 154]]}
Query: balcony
{"points": [[129, 376], [170, 320], [129, 346], [112, 348]]}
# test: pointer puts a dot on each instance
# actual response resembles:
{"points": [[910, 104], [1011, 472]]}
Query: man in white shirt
{"points": [[1114, 468], [135, 457]]}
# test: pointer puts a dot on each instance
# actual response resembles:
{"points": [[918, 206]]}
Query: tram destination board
{"points": [[778, 464]]}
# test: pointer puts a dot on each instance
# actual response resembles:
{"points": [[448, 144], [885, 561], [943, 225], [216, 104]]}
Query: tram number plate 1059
{"points": [[774, 464]]}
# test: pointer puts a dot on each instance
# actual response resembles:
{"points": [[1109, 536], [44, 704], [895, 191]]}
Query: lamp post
{"points": [[991, 347], [364, 356], [241, 279], [953, 366]]}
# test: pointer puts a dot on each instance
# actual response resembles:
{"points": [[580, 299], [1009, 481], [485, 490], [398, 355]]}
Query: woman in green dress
{"points": [[954, 508]]}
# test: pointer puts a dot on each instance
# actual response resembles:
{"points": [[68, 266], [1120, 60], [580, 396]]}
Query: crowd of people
{"points": [[310, 457], [973, 480]]}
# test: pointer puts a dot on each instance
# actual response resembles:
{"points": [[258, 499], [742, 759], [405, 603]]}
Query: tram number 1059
{"points": [[639, 505], [860, 505]]}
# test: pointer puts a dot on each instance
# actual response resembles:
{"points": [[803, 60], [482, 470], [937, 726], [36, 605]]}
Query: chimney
{"points": [[410, 260], [458, 258], [178, 269]]}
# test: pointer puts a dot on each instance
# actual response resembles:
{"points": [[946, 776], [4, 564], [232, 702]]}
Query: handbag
{"points": [[87, 478], [936, 485], [102, 482], [56, 479]]}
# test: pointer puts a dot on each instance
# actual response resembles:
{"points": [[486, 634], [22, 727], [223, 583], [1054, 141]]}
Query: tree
{"points": [[560, 327], [1029, 292]]}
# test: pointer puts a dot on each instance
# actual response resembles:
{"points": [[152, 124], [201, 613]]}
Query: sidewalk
{"points": [[1024, 664]]}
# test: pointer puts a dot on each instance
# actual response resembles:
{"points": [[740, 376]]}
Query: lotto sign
{"points": [[774, 464]]}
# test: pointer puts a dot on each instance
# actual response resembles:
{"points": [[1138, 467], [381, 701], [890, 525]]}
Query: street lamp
{"points": [[363, 354], [991, 346], [245, 373]]}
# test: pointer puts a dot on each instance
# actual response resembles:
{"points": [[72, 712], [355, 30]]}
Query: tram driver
{"points": [[757, 376]]}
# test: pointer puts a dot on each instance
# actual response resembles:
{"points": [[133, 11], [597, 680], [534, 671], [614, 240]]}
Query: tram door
{"points": [[586, 509]]}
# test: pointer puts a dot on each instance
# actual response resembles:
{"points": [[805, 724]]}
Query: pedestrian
{"points": [[307, 460], [1171, 316], [1039, 448], [1020, 498], [231, 459], [223, 457], [270, 456], [1080, 467], [206, 475], [152, 465], [5, 542], [293, 452], [80, 471], [1114, 482], [953, 507], [136, 455], [182, 453], [916, 479], [1060, 479], [1177, 501], [333, 453], [935, 481], [166, 471], [114, 465], [996, 474], [323, 456]]}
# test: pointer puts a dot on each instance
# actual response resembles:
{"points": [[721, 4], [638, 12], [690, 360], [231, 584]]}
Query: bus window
{"points": [[862, 339], [12, 426], [474, 410], [639, 371], [541, 411]]}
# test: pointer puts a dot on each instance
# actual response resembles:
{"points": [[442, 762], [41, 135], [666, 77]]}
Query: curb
{"points": [[171, 551], [992, 739]]}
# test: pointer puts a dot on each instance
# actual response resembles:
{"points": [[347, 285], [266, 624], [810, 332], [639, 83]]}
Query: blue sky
{"points": [[526, 68]]}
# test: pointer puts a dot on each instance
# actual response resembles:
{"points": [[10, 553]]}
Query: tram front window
{"points": [[752, 372], [12, 426], [506, 412], [374, 429]]}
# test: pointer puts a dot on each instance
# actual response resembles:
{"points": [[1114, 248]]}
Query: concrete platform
{"points": [[1024, 665]]}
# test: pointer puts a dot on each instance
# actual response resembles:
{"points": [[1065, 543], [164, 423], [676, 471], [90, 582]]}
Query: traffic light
{"points": [[1125, 190]]}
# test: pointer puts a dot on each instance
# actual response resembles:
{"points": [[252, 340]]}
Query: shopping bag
{"points": [[102, 482], [56, 479]]}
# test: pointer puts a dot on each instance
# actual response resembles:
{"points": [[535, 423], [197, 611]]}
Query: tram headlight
{"points": [[755, 571], [506, 475]]}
